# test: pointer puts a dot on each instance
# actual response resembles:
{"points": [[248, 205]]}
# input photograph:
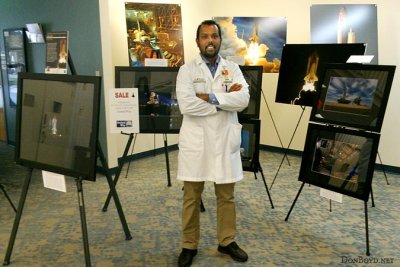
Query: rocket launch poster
{"points": [[258, 41], [346, 24]]}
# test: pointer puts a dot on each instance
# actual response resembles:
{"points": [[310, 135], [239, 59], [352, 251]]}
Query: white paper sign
{"points": [[54, 181], [360, 59], [156, 62], [124, 110], [331, 195]]}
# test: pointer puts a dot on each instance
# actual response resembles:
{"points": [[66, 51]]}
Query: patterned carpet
{"points": [[50, 231]]}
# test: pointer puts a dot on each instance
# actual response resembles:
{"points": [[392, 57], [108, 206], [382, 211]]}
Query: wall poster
{"points": [[14, 46], [154, 31], [259, 40], [57, 52], [343, 23]]}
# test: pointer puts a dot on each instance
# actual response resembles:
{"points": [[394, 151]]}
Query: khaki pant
{"points": [[226, 214]]}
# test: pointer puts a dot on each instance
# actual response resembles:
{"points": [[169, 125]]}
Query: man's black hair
{"points": [[208, 22]]}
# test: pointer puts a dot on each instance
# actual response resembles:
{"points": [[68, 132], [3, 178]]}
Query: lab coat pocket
{"points": [[234, 136], [191, 140]]}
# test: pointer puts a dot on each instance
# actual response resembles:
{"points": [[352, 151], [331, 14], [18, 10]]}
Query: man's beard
{"points": [[210, 54]]}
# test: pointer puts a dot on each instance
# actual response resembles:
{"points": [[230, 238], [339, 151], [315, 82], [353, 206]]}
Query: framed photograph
{"points": [[253, 77], [250, 145], [354, 95], [57, 123], [301, 69], [14, 48], [339, 159], [158, 107]]}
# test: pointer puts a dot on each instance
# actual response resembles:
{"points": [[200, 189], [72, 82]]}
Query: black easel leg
{"points": [[383, 168], [372, 198], [294, 202], [273, 122], [265, 184], [83, 220], [114, 193], [8, 197], [119, 208], [366, 226], [287, 149], [17, 219], [167, 158], [129, 163], [202, 208], [119, 170]]}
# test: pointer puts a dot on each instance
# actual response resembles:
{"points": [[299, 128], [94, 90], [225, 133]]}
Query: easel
{"points": [[7, 197], [255, 165], [123, 159], [365, 211], [287, 149], [81, 203], [273, 122]]}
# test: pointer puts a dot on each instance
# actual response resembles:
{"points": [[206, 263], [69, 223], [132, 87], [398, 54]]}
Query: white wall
{"points": [[286, 117]]}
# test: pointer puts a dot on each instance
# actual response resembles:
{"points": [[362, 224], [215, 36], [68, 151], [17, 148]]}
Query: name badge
{"points": [[199, 80]]}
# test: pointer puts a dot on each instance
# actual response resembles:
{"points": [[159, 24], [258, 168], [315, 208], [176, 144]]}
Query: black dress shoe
{"points": [[234, 251], [186, 257]]}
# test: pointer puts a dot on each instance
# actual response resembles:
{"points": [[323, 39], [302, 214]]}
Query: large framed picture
{"points": [[339, 159], [253, 77], [158, 107], [57, 123], [301, 69], [250, 145], [354, 95]]}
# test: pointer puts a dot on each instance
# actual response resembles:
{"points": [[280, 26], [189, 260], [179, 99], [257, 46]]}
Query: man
{"points": [[210, 92]]}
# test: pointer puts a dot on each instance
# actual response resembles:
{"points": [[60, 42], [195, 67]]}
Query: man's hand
{"points": [[203, 97], [235, 87]]}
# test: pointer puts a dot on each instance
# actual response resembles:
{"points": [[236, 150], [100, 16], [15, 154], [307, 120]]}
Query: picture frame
{"points": [[301, 69], [158, 107], [250, 144], [163, 115], [15, 55], [253, 76], [354, 95], [339, 159], [57, 123]]}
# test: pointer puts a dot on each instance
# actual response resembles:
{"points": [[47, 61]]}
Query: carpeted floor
{"points": [[50, 230]]}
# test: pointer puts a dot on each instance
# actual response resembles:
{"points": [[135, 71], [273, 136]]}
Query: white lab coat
{"points": [[209, 139]]}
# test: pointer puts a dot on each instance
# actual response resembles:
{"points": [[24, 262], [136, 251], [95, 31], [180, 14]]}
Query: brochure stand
{"points": [[7, 196], [81, 210]]}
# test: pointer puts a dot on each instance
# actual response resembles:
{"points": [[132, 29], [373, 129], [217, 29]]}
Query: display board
{"points": [[250, 145], [354, 95], [158, 107], [339, 159], [253, 77], [301, 69], [57, 123]]}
